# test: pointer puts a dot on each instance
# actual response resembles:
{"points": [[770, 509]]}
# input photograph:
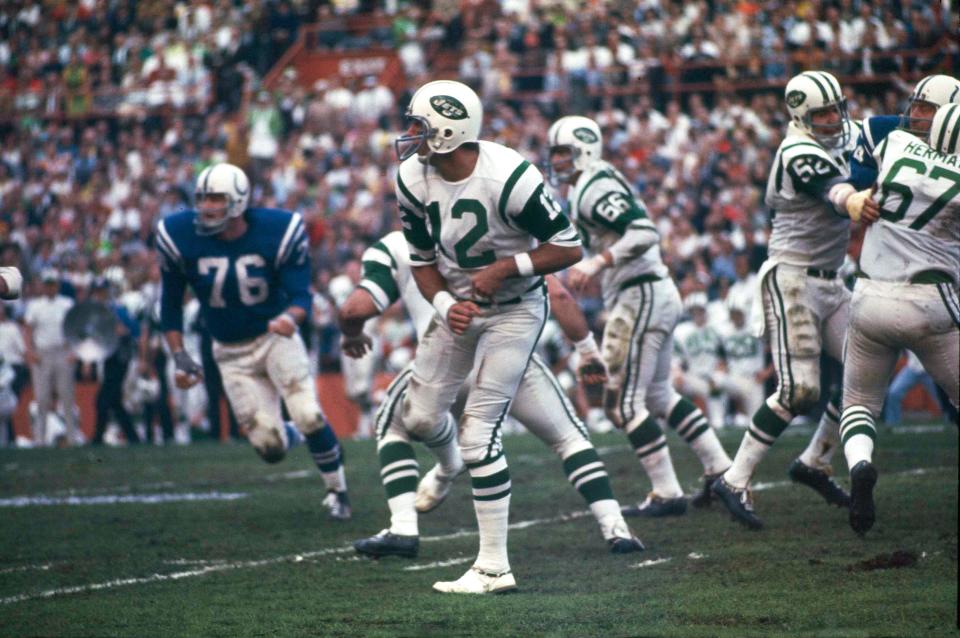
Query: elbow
{"points": [[572, 255], [557, 292]]}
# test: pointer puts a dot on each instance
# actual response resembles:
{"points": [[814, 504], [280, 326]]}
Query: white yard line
{"points": [[215, 566], [438, 564], [651, 562], [114, 499], [26, 568]]}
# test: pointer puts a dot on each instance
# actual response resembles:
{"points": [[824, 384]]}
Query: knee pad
{"points": [[478, 440], [267, 439], [305, 410], [805, 397], [661, 399], [418, 422], [616, 341]]}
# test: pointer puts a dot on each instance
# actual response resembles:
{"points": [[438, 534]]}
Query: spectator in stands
{"points": [[51, 362]]}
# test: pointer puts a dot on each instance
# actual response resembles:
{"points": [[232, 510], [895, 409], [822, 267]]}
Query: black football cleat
{"points": [[738, 501], [863, 477], [625, 545], [820, 481], [657, 507], [704, 497], [388, 544]]}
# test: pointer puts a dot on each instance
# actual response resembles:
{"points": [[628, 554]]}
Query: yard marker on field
{"points": [[115, 499], [438, 564], [651, 562]]}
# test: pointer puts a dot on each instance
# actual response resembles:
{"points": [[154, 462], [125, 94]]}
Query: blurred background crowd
{"points": [[109, 108]]}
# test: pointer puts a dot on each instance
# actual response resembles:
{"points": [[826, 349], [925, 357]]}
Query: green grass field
{"points": [[268, 564]]}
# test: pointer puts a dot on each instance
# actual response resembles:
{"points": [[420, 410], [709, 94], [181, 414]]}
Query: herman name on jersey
{"points": [[241, 284]]}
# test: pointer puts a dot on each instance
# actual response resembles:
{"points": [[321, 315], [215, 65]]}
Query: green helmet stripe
{"points": [[815, 80]]}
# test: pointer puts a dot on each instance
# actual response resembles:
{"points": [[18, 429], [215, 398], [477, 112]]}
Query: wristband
{"points": [[524, 265], [587, 346], [443, 301], [289, 318]]}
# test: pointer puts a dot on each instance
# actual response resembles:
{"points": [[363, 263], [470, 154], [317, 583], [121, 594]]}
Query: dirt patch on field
{"points": [[896, 560]]}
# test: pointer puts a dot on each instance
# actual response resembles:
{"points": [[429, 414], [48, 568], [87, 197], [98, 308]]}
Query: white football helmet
{"points": [[814, 91], [221, 179], [935, 90], [582, 137], [450, 115], [945, 129]]}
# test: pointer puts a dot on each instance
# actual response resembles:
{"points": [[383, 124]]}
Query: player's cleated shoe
{"points": [[863, 477], [820, 481], [657, 507], [622, 540], [338, 505], [434, 488], [387, 543], [704, 497], [739, 501], [478, 582]]}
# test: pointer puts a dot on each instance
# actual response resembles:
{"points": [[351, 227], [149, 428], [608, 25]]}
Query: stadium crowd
{"points": [[110, 110]]}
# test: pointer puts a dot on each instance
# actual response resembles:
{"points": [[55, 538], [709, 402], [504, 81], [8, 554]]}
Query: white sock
{"points": [[819, 452], [335, 480], [749, 455], [659, 467], [444, 446], [708, 449], [403, 514], [858, 430], [492, 481], [607, 513]]}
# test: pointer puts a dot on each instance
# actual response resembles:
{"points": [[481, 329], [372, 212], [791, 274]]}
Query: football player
{"points": [[698, 345], [250, 270], [481, 232], [643, 307], [804, 303], [743, 357], [540, 405], [928, 95], [907, 294]]}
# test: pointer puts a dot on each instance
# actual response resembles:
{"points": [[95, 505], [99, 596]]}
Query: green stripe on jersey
{"points": [[508, 189], [415, 230], [382, 276], [406, 192], [537, 220], [382, 247]]}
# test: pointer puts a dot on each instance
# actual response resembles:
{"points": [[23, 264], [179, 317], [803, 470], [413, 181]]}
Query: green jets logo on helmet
{"points": [[795, 98], [449, 107], [585, 135]]}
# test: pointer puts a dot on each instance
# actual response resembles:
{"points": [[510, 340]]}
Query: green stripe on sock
{"points": [[684, 408], [597, 489], [404, 485], [652, 450], [575, 461], [493, 497], [499, 478], [396, 451], [487, 461], [860, 429], [647, 432], [767, 421], [690, 438]]}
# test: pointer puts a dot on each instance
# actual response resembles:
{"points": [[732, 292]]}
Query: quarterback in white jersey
{"points": [[803, 304], [482, 232], [643, 308], [540, 405], [907, 295]]}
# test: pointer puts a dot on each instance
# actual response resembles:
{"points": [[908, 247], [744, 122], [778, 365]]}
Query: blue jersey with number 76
{"points": [[241, 284]]}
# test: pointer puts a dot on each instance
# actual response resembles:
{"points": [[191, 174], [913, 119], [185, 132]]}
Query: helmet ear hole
{"points": [[448, 133]]}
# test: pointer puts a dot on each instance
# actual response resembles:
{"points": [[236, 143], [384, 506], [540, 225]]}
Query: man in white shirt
{"points": [[51, 362]]}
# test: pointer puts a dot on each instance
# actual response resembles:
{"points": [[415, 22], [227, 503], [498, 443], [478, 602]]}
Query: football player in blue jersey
{"points": [[250, 270], [852, 197]]}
